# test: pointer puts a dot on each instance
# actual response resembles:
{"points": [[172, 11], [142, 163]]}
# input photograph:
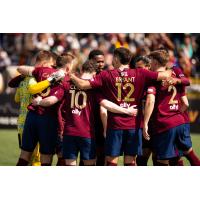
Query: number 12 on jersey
{"points": [[127, 98]]}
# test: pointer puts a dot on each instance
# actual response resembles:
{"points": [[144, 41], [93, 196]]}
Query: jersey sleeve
{"points": [[151, 90], [179, 74], [98, 80], [150, 76], [99, 97], [58, 92], [183, 91], [35, 72]]}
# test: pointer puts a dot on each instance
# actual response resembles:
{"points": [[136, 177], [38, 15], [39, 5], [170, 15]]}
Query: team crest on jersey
{"points": [[124, 74]]}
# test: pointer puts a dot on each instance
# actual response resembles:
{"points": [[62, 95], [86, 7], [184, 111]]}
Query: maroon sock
{"points": [[160, 164], [61, 162], [100, 160], [45, 164], [141, 161], [108, 163], [129, 164], [193, 159], [177, 161], [22, 162]]}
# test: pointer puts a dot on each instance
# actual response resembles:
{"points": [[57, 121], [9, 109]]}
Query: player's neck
{"points": [[161, 69], [122, 67], [86, 75]]}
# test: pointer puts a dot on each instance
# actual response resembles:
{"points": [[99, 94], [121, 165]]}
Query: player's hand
{"points": [[170, 81], [36, 101], [56, 76], [145, 132], [132, 111]]}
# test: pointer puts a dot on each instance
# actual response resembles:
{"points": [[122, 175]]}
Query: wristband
{"points": [[38, 102]]}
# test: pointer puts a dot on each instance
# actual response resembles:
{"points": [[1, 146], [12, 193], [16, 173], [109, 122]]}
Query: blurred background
{"points": [[19, 49]]}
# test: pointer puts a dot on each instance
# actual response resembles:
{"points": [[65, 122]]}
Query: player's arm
{"points": [[149, 106], [48, 101], [104, 117], [184, 103], [14, 82], [80, 83], [164, 75], [114, 108], [38, 87], [26, 70]]}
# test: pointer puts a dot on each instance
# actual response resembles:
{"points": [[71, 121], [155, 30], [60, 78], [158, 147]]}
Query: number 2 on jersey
{"points": [[128, 96], [172, 101], [75, 99]]}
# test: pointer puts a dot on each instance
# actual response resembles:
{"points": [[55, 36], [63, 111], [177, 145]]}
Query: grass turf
{"points": [[9, 150]]}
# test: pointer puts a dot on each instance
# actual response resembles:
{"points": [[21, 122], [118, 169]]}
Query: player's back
{"points": [[166, 113], [126, 89], [80, 106]]}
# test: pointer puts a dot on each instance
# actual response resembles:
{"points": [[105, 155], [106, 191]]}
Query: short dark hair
{"points": [[145, 60], [64, 58], [94, 53], [44, 56], [89, 66], [162, 56], [123, 54]]}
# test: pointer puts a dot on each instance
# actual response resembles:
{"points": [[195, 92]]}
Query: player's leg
{"points": [[132, 146], [35, 160], [29, 140], [46, 159], [185, 144], [87, 148], [47, 126], [113, 145], [24, 158], [143, 160], [59, 147], [177, 161], [100, 150], [70, 150]]}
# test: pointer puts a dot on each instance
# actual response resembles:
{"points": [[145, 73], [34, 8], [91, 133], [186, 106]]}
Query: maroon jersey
{"points": [[166, 114], [179, 74], [125, 88], [79, 106], [40, 74]]}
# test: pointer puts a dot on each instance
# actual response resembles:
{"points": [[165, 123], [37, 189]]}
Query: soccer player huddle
{"points": [[136, 109]]}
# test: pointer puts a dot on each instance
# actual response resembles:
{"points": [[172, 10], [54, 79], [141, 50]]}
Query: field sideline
{"points": [[9, 150]]}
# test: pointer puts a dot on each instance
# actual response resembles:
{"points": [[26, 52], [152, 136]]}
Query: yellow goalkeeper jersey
{"points": [[23, 97]]}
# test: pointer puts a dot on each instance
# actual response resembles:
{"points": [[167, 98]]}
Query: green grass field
{"points": [[9, 151]]}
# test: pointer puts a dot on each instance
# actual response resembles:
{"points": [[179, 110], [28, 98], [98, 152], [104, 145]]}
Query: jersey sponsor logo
{"points": [[125, 105], [173, 107], [76, 111]]}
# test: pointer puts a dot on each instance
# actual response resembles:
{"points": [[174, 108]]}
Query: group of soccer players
{"points": [[137, 108]]}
